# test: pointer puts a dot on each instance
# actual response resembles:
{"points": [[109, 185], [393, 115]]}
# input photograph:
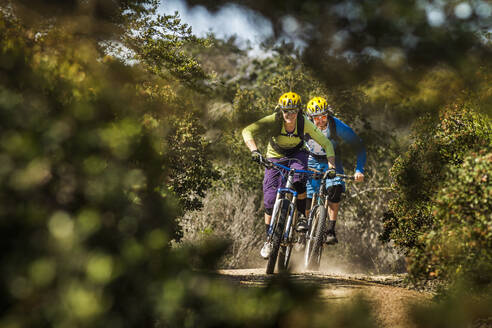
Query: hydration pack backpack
{"points": [[279, 121]]}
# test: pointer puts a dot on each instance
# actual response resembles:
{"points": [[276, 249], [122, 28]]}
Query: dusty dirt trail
{"points": [[389, 301]]}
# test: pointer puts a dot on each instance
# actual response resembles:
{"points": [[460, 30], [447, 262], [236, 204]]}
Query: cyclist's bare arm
{"points": [[251, 144], [331, 162]]}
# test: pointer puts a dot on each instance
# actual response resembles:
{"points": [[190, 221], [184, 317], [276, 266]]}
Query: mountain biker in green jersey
{"points": [[286, 129], [337, 131]]}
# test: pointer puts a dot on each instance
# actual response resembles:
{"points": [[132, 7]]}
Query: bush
{"points": [[190, 168], [418, 174], [460, 244], [81, 219]]}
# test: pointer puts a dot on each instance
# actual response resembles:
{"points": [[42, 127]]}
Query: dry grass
{"points": [[232, 215], [360, 224]]}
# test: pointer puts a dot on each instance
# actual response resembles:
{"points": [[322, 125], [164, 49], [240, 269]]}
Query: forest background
{"points": [[125, 181]]}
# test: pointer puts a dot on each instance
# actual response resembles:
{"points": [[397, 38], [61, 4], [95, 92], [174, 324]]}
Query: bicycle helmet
{"points": [[318, 106], [289, 100]]}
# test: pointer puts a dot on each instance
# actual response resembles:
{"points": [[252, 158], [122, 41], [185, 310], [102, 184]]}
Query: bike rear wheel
{"points": [[277, 235], [314, 246]]}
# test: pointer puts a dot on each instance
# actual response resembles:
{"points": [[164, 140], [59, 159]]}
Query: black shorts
{"points": [[335, 193]]}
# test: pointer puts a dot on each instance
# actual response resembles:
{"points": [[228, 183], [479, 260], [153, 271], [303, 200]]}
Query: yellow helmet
{"points": [[317, 106], [289, 100]]}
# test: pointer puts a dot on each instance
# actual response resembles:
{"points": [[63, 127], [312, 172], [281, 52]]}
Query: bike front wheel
{"points": [[284, 253], [314, 242], [277, 235]]}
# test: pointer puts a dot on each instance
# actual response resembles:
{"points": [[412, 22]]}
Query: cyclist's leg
{"points": [[268, 218], [313, 185], [300, 186], [300, 179], [301, 197], [333, 210], [301, 207], [334, 195], [334, 189], [271, 181]]}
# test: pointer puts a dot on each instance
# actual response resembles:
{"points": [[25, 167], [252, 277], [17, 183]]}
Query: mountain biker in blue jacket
{"points": [[338, 132]]}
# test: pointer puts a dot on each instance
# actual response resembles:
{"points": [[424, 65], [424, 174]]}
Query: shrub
{"points": [[461, 242], [191, 172], [73, 150], [418, 174]]}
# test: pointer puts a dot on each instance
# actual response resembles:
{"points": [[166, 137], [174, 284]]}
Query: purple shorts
{"points": [[273, 178]]}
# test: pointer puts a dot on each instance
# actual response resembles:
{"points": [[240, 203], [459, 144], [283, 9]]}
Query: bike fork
{"points": [[314, 201], [274, 216], [291, 217]]}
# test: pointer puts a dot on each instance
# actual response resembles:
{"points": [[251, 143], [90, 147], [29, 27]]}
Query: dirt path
{"points": [[389, 301]]}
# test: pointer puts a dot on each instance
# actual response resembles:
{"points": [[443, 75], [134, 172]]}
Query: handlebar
{"points": [[315, 174], [319, 175], [344, 176], [269, 164]]}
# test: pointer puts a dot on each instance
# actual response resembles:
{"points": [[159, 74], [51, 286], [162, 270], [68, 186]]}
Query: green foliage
{"points": [[236, 166], [401, 104], [191, 172], [439, 145], [173, 79], [74, 245], [160, 43], [100, 20], [460, 245]]}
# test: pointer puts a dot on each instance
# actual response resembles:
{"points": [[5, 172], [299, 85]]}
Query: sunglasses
{"points": [[318, 116], [289, 111]]}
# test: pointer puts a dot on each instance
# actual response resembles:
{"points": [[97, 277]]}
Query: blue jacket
{"points": [[347, 135]]}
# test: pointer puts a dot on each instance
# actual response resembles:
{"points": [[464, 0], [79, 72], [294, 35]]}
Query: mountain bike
{"points": [[284, 217], [315, 236]]}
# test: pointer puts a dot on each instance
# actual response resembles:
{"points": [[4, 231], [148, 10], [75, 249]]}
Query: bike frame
{"points": [[287, 192]]}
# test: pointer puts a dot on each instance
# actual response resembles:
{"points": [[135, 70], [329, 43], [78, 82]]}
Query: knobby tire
{"points": [[277, 235], [309, 243], [284, 255], [315, 256]]}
